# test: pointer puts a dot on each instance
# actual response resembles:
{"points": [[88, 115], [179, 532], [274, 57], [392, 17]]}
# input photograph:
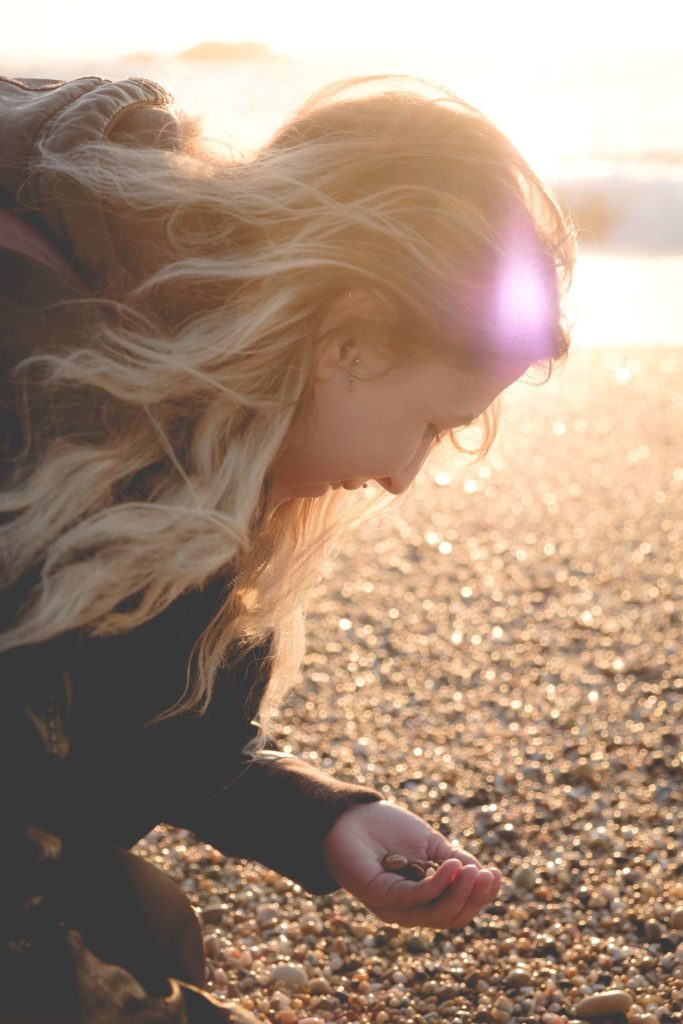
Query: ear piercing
{"points": [[356, 362]]}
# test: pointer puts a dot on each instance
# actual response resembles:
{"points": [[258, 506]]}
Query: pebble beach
{"points": [[503, 657]]}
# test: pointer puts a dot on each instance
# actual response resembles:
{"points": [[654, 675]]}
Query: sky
{"points": [[44, 29]]}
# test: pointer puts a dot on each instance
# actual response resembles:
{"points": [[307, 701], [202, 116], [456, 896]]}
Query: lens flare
{"points": [[524, 312]]}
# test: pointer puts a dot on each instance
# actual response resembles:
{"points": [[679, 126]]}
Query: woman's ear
{"points": [[341, 343]]}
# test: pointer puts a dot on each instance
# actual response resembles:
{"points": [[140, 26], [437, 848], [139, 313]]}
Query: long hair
{"points": [[145, 469]]}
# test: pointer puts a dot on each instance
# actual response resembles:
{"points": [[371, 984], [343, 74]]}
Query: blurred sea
{"points": [[605, 132]]}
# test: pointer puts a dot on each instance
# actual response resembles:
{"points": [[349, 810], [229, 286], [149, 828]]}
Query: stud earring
{"points": [[356, 362]]}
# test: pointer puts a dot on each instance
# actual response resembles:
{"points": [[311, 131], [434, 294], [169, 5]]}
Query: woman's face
{"points": [[384, 428]]}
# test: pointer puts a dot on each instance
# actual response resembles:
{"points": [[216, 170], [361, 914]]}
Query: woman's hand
{"points": [[450, 898]]}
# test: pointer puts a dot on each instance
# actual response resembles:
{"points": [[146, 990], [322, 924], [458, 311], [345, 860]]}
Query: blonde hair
{"points": [[146, 475]]}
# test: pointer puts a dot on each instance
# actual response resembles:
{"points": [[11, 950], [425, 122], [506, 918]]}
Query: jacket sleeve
{"points": [[276, 809], [278, 812]]}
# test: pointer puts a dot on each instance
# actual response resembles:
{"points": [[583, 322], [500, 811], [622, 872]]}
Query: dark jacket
{"points": [[77, 758]]}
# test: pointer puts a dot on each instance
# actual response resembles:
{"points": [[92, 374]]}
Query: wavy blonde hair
{"points": [[149, 476]]}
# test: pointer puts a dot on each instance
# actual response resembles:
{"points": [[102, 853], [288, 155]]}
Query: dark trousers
{"points": [[132, 914]]}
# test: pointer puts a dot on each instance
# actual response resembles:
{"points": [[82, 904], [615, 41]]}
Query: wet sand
{"points": [[503, 659]]}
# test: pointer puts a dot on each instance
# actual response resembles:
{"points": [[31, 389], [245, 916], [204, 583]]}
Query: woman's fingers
{"points": [[461, 911], [448, 899], [464, 857]]}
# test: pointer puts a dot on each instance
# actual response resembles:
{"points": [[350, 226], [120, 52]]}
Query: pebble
{"points": [[289, 974], [518, 978], [602, 1004], [676, 919], [320, 986], [394, 861], [213, 913], [524, 877], [286, 1017], [267, 917], [311, 924], [418, 943]]}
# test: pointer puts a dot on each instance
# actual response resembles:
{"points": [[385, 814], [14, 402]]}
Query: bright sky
{"points": [[83, 29]]}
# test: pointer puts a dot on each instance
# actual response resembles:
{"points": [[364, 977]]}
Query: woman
{"points": [[202, 356]]}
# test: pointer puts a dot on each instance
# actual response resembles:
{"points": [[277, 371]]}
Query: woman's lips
{"points": [[350, 485]]}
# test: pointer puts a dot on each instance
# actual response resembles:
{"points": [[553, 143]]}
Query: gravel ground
{"points": [[503, 658]]}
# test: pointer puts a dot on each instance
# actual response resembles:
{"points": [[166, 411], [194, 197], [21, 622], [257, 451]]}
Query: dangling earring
{"points": [[356, 362]]}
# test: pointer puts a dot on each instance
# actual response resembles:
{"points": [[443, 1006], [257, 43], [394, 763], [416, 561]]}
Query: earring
{"points": [[356, 361]]}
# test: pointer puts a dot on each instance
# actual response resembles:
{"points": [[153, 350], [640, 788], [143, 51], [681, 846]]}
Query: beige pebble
{"points": [[289, 974], [676, 919], [602, 1004], [311, 924], [394, 861], [320, 986]]}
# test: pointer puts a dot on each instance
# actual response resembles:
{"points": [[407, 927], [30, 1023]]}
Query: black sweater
{"points": [[110, 777]]}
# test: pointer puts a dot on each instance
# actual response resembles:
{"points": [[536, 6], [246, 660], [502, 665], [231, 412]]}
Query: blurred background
{"points": [[591, 95]]}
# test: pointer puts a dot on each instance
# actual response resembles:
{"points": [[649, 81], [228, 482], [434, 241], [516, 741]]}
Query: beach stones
{"points": [[603, 1004], [414, 870]]}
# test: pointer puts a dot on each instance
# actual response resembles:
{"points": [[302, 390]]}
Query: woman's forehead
{"points": [[462, 395]]}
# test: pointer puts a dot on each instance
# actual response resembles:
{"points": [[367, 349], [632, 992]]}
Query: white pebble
{"points": [[289, 974]]}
